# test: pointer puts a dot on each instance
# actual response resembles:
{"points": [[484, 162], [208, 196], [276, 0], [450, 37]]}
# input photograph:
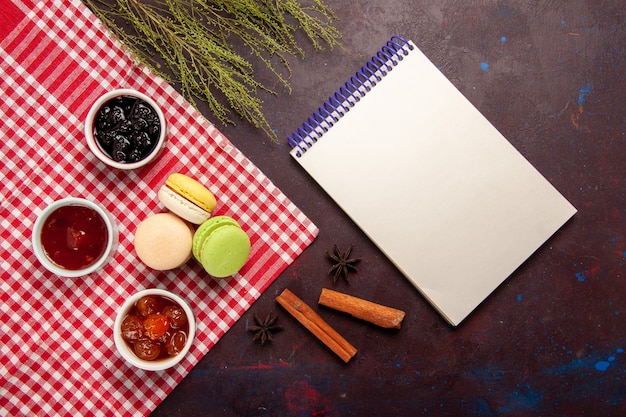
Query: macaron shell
{"points": [[163, 241], [192, 190], [206, 229], [225, 251], [181, 206]]}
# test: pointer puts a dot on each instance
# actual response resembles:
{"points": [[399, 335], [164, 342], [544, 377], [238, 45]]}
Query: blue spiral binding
{"points": [[346, 97]]}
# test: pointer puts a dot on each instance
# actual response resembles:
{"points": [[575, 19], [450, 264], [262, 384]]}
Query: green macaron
{"points": [[221, 246]]}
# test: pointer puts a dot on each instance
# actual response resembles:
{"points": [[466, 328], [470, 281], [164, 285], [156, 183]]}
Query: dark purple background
{"points": [[550, 341]]}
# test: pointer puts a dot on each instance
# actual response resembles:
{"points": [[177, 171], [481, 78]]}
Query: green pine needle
{"points": [[190, 42]]}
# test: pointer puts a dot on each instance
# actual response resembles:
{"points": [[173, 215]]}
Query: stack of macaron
{"points": [[166, 241]]}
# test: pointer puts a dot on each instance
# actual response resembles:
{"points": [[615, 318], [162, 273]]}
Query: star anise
{"points": [[343, 264], [263, 328]]}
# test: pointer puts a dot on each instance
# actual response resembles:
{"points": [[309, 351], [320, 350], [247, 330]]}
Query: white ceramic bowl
{"points": [[95, 147], [112, 237], [124, 349]]}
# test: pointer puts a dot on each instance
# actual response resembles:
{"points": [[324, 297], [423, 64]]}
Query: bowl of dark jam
{"points": [[154, 329], [73, 237], [125, 129]]}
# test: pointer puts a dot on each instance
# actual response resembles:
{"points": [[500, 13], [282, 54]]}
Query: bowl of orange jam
{"points": [[154, 329]]}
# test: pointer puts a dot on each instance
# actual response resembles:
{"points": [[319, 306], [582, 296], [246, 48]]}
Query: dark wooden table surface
{"points": [[550, 341]]}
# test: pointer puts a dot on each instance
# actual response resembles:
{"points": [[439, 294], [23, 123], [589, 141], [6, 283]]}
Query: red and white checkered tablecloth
{"points": [[57, 355]]}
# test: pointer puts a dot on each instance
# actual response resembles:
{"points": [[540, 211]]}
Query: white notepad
{"points": [[434, 185]]}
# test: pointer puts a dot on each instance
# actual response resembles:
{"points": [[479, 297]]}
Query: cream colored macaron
{"points": [[163, 241]]}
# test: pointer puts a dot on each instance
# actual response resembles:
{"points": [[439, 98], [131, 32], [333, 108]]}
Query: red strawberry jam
{"points": [[74, 237]]}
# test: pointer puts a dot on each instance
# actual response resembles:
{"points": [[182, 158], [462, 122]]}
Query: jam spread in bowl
{"points": [[125, 129], [154, 329], [74, 237]]}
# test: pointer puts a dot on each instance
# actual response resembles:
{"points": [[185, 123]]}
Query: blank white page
{"points": [[436, 187]]}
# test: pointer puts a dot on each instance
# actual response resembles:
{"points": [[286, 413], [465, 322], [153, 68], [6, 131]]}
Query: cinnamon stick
{"points": [[316, 325], [377, 314]]}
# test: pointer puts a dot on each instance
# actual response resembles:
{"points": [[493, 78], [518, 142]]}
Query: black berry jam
{"points": [[127, 129]]}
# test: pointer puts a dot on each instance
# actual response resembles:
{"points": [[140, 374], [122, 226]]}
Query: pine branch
{"points": [[193, 40]]}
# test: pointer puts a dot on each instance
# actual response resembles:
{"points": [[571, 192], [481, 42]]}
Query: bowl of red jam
{"points": [[125, 129], [154, 329], [73, 237]]}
